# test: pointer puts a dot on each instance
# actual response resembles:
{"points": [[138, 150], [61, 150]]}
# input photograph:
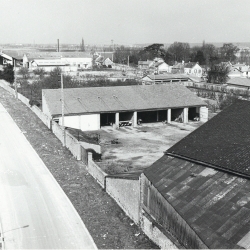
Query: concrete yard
{"points": [[137, 148]]}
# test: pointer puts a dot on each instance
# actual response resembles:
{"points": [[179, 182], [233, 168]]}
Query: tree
{"points": [[218, 73], [40, 72], [180, 51], [228, 51], [24, 72], [156, 49], [8, 73], [200, 58]]}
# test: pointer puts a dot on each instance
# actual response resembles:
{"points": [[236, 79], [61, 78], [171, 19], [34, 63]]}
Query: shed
{"points": [[91, 108]]}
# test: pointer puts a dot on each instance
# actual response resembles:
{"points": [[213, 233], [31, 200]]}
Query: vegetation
{"points": [[24, 72], [53, 81], [206, 54], [7, 74], [218, 73]]}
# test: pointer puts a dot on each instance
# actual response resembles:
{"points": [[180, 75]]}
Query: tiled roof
{"points": [[239, 81], [223, 142], [215, 204], [189, 65], [122, 98], [178, 66]]}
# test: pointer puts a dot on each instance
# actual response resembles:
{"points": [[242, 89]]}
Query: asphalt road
{"points": [[34, 210]]}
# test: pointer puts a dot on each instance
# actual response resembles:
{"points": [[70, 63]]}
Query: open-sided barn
{"points": [[91, 108]]}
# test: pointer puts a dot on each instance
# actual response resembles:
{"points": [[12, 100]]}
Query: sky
{"points": [[124, 21]]}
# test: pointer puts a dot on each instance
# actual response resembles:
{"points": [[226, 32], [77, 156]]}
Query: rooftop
{"points": [[214, 203], [168, 76], [221, 143], [245, 82], [121, 98]]}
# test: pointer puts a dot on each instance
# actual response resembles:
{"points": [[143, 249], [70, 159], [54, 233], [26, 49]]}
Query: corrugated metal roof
{"points": [[223, 142], [214, 203], [121, 98]]}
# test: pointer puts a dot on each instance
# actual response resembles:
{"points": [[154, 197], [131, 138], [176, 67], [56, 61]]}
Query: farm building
{"points": [[199, 191], [68, 61], [92, 108], [165, 78], [239, 82]]}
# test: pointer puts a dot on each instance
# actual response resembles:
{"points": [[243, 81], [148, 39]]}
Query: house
{"points": [[193, 69], [159, 66], [243, 68], [94, 107], [234, 72], [178, 68], [144, 65], [199, 191], [165, 78]]}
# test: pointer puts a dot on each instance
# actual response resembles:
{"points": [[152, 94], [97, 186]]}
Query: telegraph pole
{"points": [[62, 99]]}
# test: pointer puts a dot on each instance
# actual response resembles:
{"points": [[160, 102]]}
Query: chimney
{"points": [[57, 45]]}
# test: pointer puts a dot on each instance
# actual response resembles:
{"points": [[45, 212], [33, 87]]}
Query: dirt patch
{"points": [[138, 148], [106, 222]]}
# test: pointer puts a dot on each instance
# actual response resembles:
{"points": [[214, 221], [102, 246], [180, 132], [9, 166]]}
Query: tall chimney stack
{"points": [[57, 45]]}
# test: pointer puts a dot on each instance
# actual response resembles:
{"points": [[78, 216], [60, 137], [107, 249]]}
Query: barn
{"points": [[94, 107], [199, 191]]}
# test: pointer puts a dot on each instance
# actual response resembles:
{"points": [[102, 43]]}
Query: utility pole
{"points": [[128, 61], [62, 100], [15, 83]]}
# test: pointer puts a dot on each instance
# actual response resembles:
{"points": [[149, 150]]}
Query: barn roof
{"points": [[120, 98], [215, 204], [223, 142]]}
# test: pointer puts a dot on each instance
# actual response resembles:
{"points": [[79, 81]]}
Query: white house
{"points": [[193, 69]]}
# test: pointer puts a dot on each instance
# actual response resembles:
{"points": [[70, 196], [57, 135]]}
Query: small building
{"points": [[94, 107], [165, 78], [144, 65], [199, 191], [11, 57], [239, 82], [178, 68], [193, 69], [160, 67], [68, 61]]}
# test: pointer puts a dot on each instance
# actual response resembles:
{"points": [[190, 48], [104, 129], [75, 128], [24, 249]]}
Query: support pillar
{"points": [[117, 120], [157, 115], [185, 115], [135, 119], [169, 116]]}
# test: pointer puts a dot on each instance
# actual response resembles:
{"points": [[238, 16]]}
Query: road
{"points": [[34, 210]]}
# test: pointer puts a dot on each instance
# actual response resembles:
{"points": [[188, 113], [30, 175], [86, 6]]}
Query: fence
{"points": [[96, 171], [126, 192], [66, 138]]}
